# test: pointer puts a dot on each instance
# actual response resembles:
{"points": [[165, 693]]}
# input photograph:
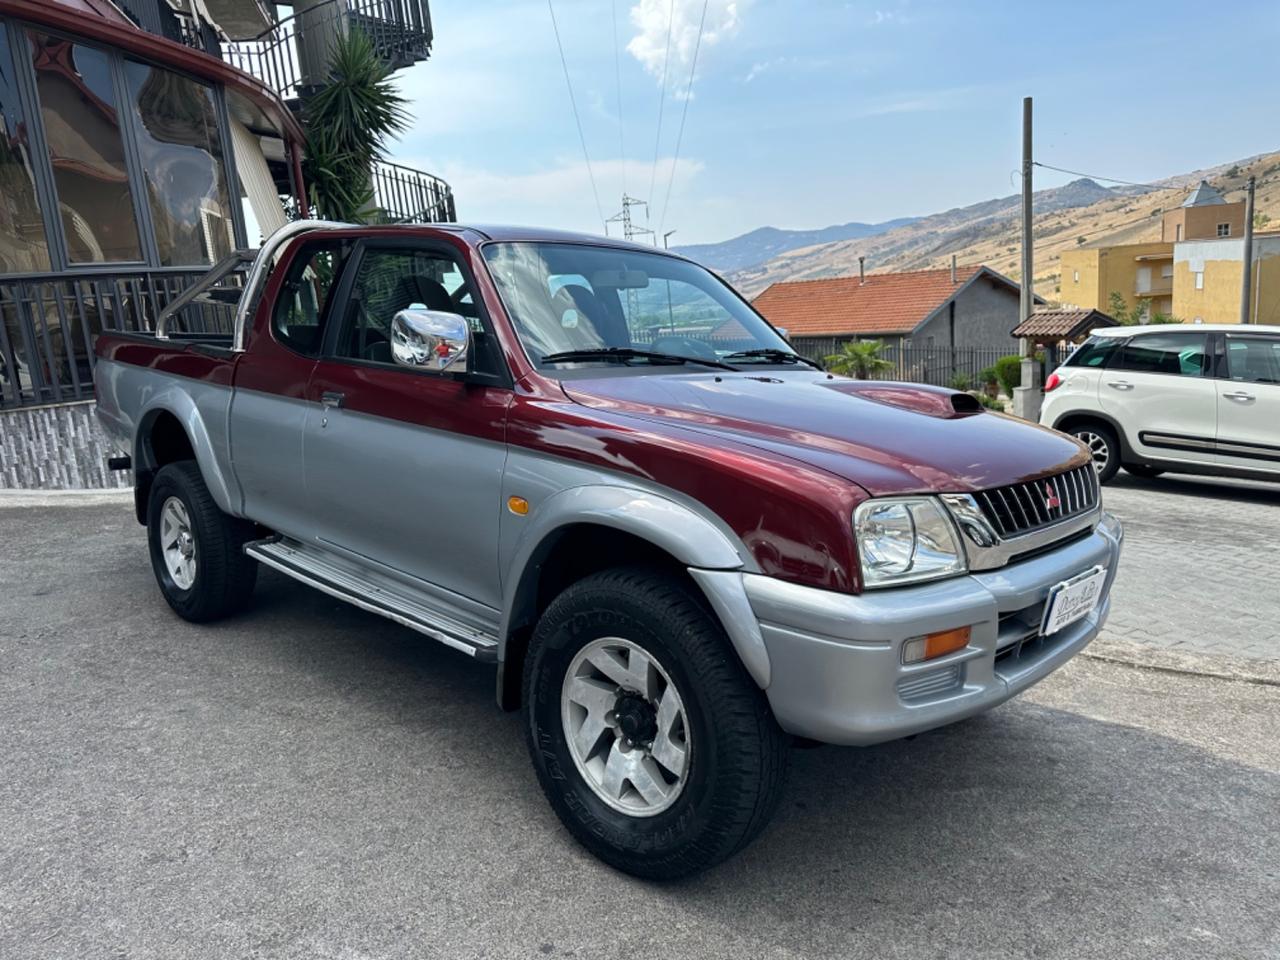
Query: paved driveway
{"points": [[307, 781], [1200, 572]]}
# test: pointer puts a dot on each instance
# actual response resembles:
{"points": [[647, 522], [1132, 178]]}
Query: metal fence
{"points": [[48, 324], [405, 195], [942, 366]]}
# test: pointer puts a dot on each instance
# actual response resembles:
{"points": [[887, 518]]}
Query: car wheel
{"points": [[1139, 470], [196, 549], [1103, 447], [653, 745]]}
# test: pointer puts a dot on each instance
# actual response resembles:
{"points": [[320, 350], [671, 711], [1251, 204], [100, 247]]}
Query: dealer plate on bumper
{"points": [[1072, 600]]}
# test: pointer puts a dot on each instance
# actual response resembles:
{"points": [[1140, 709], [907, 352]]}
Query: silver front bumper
{"points": [[834, 661]]}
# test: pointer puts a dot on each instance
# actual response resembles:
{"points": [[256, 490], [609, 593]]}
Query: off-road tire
{"points": [[224, 576], [738, 757]]}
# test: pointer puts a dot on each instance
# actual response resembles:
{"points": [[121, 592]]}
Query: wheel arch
{"points": [[1076, 418], [595, 528], [167, 433]]}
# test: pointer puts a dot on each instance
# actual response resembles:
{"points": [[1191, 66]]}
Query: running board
{"points": [[318, 570]]}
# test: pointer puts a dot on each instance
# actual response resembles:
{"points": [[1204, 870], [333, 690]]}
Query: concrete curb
{"points": [[1241, 669], [63, 498]]}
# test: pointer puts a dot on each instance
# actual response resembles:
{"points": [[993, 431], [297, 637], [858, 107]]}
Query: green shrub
{"points": [[962, 382], [991, 403], [988, 376], [1009, 373]]}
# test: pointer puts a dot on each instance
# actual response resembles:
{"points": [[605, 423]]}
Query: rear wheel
{"points": [[196, 549], [653, 745], [1103, 447]]}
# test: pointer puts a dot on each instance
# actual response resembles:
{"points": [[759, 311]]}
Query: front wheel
{"points": [[653, 745], [1103, 447]]}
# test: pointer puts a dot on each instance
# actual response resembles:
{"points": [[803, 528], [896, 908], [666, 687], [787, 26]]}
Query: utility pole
{"points": [[666, 236], [1246, 282], [1027, 398]]}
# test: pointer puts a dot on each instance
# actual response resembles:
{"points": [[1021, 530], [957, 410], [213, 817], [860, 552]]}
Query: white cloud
{"points": [[559, 195], [652, 19]]}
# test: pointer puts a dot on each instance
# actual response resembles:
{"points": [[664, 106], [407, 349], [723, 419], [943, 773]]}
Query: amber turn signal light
{"points": [[518, 505], [934, 645]]}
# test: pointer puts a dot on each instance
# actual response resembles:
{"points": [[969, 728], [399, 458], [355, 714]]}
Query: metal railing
{"points": [[48, 323], [292, 56], [405, 195], [942, 366]]}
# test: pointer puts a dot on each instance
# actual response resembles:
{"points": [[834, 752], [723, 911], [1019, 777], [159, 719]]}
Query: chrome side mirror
{"points": [[430, 340]]}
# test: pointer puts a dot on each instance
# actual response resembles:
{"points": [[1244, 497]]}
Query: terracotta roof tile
{"points": [[1063, 324], [884, 303]]}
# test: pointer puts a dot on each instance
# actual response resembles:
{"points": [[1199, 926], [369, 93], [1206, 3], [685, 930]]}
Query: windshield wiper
{"points": [[773, 355], [622, 354]]}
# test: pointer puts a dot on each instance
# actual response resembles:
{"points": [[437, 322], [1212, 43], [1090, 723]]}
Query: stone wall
{"points": [[56, 448]]}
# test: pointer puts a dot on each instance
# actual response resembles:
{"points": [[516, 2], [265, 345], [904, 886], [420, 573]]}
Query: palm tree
{"points": [[347, 123], [859, 359]]}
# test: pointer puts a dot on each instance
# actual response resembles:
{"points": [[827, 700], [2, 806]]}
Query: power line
{"points": [[576, 119], [662, 100], [617, 73], [1077, 173], [684, 113]]}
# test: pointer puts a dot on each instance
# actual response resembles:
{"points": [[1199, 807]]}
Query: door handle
{"points": [[1120, 384], [1240, 397], [332, 398]]}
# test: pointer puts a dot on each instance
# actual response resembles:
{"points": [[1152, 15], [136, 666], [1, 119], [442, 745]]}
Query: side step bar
{"points": [[317, 570]]}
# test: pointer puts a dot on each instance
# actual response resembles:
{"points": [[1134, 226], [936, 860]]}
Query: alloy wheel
{"points": [[1099, 449], [626, 726], [178, 543]]}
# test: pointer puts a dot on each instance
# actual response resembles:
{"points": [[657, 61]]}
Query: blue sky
{"points": [[813, 112]]}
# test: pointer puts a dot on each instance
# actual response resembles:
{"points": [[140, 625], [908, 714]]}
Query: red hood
{"points": [[886, 437]]}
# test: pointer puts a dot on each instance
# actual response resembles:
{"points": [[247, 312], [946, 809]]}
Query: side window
{"points": [[1094, 352], [1177, 354], [299, 309], [1253, 359], [389, 281]]}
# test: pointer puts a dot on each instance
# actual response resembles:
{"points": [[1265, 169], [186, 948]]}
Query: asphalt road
{"points": [[309, 781]]}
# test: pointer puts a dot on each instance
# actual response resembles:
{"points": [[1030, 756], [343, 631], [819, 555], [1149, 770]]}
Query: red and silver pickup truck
{"points": [[594, 466]]}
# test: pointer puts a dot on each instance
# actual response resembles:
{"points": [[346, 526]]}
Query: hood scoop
{"points": [[918, 398]]}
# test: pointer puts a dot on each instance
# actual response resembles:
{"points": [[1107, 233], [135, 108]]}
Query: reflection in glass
{"points": [[183, 163], [82, 127], [22, 239]]}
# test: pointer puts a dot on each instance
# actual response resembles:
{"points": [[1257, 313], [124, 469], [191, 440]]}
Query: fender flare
{"points": [[1126, 448], [710, 553], [183, 408]]}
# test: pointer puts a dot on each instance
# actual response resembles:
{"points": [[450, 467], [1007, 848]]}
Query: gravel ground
{"points": [[308, 781]]}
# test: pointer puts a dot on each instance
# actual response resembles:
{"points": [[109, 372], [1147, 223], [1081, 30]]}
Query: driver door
{"points": [[404, 464]]}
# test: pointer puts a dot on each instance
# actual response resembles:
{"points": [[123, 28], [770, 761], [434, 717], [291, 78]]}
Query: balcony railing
{"points": [[405, 195], [292, 57]]}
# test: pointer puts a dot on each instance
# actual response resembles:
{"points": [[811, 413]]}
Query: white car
{"points": [[1201, 398]]}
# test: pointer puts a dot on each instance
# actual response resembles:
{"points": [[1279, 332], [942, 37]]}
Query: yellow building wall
{"points": [[1219, 299], [1201, 223], [1103, 270]]}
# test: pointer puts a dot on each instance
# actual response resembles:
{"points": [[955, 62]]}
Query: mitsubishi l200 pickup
{"points": [[593, 466]]}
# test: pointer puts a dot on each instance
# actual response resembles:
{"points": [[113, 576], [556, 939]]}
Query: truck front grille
{"points": [[1022, 507]]}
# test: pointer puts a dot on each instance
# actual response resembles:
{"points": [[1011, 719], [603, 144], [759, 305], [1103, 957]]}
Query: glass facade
{"points": [[183, 165], [86, 150], [23, 247]]}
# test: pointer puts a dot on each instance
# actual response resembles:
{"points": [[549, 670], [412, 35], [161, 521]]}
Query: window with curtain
{"points": [[23, 248], [183, 164], [86, 151]]}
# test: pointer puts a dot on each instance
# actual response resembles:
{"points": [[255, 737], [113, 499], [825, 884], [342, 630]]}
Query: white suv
{"points": [[1182, 398]]}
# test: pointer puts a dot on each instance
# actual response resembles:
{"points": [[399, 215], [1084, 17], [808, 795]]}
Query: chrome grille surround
{"points": [[1005, 523]]}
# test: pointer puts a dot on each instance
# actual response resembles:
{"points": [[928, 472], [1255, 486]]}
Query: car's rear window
{"points": [[1094, 352]]}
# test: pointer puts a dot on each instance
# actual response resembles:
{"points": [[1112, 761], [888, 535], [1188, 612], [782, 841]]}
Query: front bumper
{"points": [[834, 661]]}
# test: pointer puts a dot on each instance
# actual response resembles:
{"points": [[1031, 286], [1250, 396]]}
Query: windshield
{"points": [[567, 298]]}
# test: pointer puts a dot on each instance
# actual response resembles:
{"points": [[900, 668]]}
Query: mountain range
{"points": [[1082, 212]]}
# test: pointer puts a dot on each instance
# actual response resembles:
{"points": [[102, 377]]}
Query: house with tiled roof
{"points": [[962, 306]]}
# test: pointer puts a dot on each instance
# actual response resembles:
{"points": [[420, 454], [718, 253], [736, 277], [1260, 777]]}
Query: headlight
{"points": [[906, 539]]}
